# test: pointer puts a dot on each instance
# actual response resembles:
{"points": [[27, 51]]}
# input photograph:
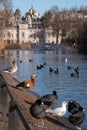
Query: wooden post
{"points": [[13, 119], [3, 100]]}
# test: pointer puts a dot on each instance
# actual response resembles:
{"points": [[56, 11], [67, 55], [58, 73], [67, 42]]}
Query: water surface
{"points": [[67, 87]]}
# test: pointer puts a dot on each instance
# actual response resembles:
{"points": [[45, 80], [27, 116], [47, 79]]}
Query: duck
{"points": [[38, 67], [56, 71], [27, 83], [77, 70], [44, 63], [37, 110], [41, 65], [12, 69], [69, 67], [74, 106], [20, 61], [77, 118], [30, 60], [50, 99], [74, 74], [60, 111], [50, 69]]}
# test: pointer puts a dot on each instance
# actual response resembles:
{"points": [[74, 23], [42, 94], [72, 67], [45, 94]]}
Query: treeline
{"points": [[5, 7], [72, 22], [82, 38]]}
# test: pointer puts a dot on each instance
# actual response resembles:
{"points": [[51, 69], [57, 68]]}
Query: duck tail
{"points": [[20, 85]]}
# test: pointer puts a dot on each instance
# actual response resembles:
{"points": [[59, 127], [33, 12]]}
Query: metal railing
{"points": [[14, 110]]}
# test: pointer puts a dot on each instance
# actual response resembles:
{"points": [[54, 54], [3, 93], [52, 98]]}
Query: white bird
{"points": [[66, 60], [12, 69], [61, 111]]}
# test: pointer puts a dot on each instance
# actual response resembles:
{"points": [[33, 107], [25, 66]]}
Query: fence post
{"points": [[13, 119], [15, 114], [3, 99], [1, 81]]}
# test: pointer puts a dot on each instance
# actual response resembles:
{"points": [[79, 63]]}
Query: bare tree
{"points": [[55, 21], [47, 19], [5, 7], [51, 20]]}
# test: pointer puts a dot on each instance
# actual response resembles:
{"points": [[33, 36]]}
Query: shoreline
{"points": [[25, 99]]}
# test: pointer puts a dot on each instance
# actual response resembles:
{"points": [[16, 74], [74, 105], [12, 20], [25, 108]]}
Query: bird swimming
{"points": [[60, 111], [12, 69], [77, 118], [56, 71], [69, 67], [77, 70], [37, 110], [50, 99], [50, 69], [66, 60], [27, 83], [74, 74]]}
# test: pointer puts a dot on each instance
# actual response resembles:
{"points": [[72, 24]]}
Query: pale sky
{"points": [[44, 5]]}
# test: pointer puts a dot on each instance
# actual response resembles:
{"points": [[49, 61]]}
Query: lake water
{"points": [[67, 87]]}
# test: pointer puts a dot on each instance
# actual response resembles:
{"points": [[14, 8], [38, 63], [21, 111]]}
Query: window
{"points": [[22, 34], [8, 34]]}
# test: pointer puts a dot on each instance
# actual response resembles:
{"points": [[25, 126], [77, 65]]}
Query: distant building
{"points": [[26, 29]]}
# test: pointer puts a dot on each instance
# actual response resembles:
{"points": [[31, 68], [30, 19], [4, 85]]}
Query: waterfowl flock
{"points": [[42, 107], [14, 68], [75, 72], [45, 105]]}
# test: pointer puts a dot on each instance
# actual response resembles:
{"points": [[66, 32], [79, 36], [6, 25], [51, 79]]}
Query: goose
{"points": [[12, 69]]}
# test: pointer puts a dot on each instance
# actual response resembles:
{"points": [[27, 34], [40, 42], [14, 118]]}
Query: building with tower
{"points": [[26, 29]]}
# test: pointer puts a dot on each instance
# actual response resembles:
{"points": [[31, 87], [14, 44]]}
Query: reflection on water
{"points": [[66, 86]]}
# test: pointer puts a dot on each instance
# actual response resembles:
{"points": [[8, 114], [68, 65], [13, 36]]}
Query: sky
{"points": [[41, 6]]}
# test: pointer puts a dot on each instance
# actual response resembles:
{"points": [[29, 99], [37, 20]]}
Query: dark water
{"points": [[66, 86]]}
